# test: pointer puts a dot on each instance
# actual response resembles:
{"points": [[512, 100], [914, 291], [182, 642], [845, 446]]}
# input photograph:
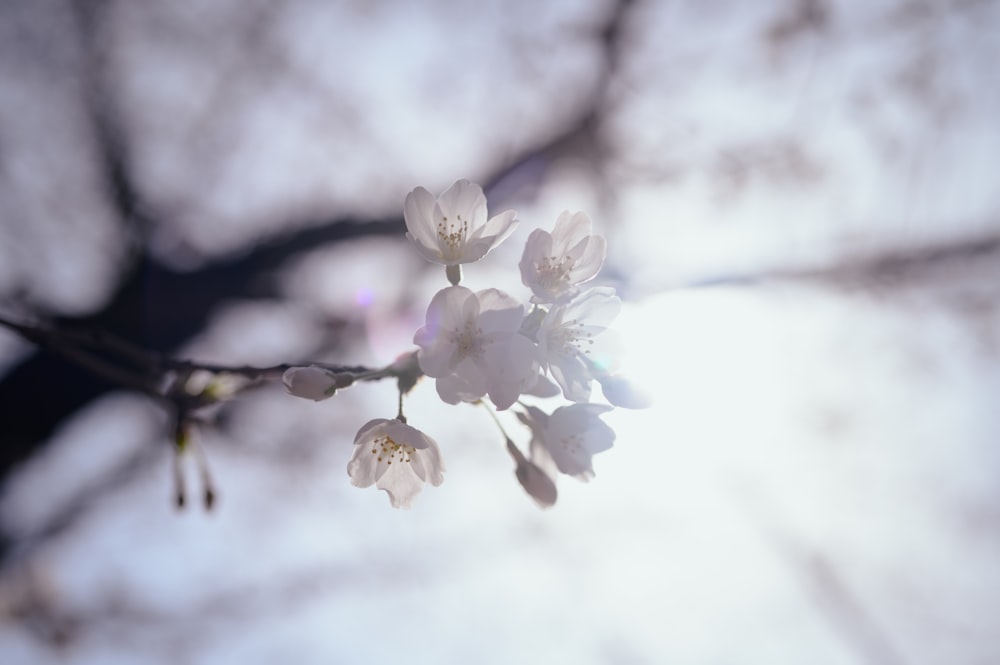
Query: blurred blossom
{"points": [[568, 337], [570, 436]]}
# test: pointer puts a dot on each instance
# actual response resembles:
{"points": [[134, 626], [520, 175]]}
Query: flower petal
{"points": [[466, 200], [499, 227], [574, 434], [512, 368], [588, 259], [420, 226], [598, 306], [621, 392], [569, 230], [401, 484], [572, 376], [447, 313], [499, 312], [466, 384]]}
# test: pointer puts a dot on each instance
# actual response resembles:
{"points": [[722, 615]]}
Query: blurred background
{"points": [[802, 208]]}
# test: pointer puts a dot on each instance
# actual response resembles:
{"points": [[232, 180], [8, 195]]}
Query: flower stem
{"points": [[497, 422]]}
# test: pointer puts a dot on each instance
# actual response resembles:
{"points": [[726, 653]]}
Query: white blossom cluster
{"points": [[487, 344]]}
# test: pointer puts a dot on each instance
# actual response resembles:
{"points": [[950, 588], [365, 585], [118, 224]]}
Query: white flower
{"points": [[471, 345], [567, 341], [452, 228], [314, 383], [553, 265], [395, 457], [571, 436]]}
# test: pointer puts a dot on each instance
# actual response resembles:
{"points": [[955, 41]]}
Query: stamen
{"points": [[469, 340], [553, 272], [451, 236], [388, 450]]}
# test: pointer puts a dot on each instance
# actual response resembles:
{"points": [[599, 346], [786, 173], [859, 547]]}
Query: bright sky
{"points": [[816, 481]]}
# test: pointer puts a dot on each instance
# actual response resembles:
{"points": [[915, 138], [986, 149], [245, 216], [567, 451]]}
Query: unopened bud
{"points": [[535, 482], [314, 383]]}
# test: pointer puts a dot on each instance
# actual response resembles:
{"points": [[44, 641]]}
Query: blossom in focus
{"points": [[472, 346], [314, 383], [570, 437], [568, 345], [553, 265], [453, 228], [395, 457]]}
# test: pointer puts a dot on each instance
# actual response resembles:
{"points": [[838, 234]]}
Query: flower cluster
{"points": [[487, 344]]}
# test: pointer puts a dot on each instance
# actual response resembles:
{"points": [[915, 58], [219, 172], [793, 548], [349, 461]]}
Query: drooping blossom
{"points": [[395, 457], [553, 265], [453, 228], [568, 342], [472, 346], [570, 436]]}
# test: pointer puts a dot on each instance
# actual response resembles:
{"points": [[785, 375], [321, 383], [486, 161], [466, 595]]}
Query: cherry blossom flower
{"points": [[553, 265], [570, 437], [314, 383], [453, 228], [472, 346], [395, 457], [567, 342]]}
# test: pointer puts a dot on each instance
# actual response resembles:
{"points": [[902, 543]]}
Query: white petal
{"points": [[448, 311], [512, 368], [406, 435], [367, 430], [597, 306], [621, 392], [537, 246], [465, 199], [542, 387], [417, 213], [569, 230], [572, 376], [363, 465], [427, 464], [590, 259], [499, 227], [401, 484], [431, 253], [499, 312], [466, 384]]}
